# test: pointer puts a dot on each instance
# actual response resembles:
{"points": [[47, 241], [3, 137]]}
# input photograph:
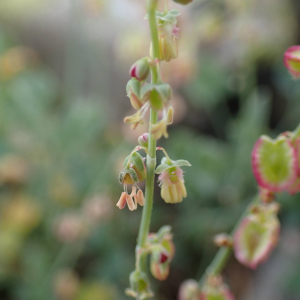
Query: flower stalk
{"points": [[151, 157], [154, 97]]}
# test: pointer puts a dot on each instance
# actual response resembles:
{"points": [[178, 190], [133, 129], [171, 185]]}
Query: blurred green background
{"points": [[63, 70]]}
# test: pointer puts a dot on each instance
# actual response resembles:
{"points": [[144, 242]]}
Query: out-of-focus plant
{"points": [[275, 164]]}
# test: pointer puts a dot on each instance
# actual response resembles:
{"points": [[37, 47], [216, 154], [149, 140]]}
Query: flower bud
{"points": [[143, 140], [292, 61], [216, 289], [139, 286], [223, 240], [274, 163], [257, 236], [133, 90], [266, 196], [183, 2], [140, 69], [189, 290], [161, 256]]}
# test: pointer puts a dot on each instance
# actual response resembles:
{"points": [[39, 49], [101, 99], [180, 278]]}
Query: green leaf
{"points": [[161, 168]]}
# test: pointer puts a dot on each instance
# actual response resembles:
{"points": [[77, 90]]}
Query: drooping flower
{"points": [[134, 171], [171, 180], [167, 34], [292, 61]]}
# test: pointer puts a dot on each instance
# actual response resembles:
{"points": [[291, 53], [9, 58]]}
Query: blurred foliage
{"points": [[61, 236]]}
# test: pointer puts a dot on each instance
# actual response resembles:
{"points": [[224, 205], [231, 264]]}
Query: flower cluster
{"points": [[154, 96], [161, 249], [145, 95]]}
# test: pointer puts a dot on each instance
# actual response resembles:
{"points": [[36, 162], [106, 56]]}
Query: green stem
{"points": [[221, 258], [151, 157]]}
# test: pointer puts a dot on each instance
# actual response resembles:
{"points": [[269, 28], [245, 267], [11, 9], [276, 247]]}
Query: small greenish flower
{"points": [[171, 180], [167, 34]]}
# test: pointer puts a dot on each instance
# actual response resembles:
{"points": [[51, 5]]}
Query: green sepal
{"points": [[182, 163], [161, 168], [138, 166], [134, 86], [162, 232], [128, 176], [157, 94], [167, 164]]}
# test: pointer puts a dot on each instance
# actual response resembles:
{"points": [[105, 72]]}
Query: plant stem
{"points": [[221, 258], [151, 157]]}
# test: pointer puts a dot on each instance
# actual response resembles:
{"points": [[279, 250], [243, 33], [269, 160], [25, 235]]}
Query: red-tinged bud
{"points": [[143, 140], [266, 196], [183, 2], [140, 69], [223, 240], [161, 256], [215, 289], [257, 236], [189, 290], [292, 61], [275, 163]]}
